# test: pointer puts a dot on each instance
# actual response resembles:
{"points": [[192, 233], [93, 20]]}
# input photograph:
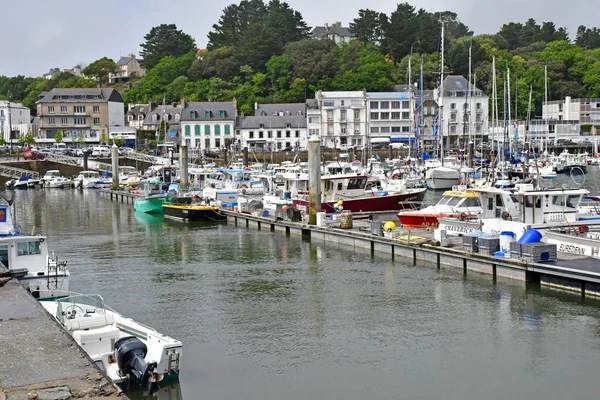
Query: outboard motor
{"points": [[130, 353]]}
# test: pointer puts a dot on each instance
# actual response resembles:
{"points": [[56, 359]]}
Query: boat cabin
{"points": [[24, 253], [343, 187], [230, 179], [538, 206]]}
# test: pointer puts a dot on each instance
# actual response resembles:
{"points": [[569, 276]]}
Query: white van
{"points": [[101, 151]]}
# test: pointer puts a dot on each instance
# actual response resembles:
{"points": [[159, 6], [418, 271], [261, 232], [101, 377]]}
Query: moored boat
{"points": [[187, 209], [152, 202]]}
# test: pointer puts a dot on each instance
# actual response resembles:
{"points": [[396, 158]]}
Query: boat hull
{"points": [[442, 183], [390, 202], [193, 213], [421, 220], [152, 205]]}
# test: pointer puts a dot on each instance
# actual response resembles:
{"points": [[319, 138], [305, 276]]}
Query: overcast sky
{"points": [[39, 34]]}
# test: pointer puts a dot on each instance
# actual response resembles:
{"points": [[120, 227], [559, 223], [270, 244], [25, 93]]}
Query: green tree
{"points": [[100, 69], [592, 80], [21, 140], [29, 138], [313, 61], [222, 62], [152, 86], [165, 40], [103, 138], [401, 31], [369, 26], [58, 137]]}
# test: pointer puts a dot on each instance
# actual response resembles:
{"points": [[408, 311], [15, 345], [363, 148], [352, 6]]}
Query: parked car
{"points": [[101, 151], [210, 154], [32, 154]]}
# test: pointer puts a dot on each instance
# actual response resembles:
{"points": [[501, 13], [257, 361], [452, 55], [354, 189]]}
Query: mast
{"points": [[441, 100], [410, 97], [545, 102], [470, 92], [420, 108], [494, 103]]}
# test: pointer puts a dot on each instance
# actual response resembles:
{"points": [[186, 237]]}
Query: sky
{"points": [[38, 34]]}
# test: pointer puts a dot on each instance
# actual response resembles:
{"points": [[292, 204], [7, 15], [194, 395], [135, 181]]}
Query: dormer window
{"points": [[154, 117], [141, 117], [166, 117], [207, 114], [262, 126], [288, 125], [193, 114], [177, 116], [222, 113]]}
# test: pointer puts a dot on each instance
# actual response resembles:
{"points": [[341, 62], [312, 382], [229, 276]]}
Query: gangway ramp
{"points": [[16, 173]]}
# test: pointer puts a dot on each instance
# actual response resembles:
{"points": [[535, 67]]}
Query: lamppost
{"points": [[10, 134]]}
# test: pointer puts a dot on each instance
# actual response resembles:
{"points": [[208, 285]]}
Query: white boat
{"points": [[25, 182], [442, 178], [91, 180], [53, 173], [129, 353], [58, 182], [128, 176]]}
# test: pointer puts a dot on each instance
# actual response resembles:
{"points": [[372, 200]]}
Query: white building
{"points": [[14, 117], [341, 118], [274, 127], [209, 125], [339, 34], [390, 116], [465, 110]]}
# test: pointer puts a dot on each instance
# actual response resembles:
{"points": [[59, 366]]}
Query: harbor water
{"points": [[265, 316]]}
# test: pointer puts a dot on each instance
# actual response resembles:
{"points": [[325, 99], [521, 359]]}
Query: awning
{"points": [[401, 139], [380, 140]]}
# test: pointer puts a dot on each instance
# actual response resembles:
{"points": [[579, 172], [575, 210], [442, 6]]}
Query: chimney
{"points": [[255, 105], [183, 103]]}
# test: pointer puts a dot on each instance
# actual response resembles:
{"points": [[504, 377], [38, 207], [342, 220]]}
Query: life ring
{"points": [[243, 186], [462, 216], [506, 216]]}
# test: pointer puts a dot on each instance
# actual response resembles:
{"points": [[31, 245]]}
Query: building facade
{"points": [[274, 127], [338, 34], [136, 114], [15, 120], [465, 110], [209, 125], [341, 118], [80, 114], [170, 114], [390, 117], [129, 68]]}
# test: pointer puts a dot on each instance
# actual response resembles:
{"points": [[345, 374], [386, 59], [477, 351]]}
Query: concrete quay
{"points": [[39, 360]]}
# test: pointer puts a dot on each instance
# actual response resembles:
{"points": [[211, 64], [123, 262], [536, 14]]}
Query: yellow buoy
{"points": [[340, 203], [389, 226]]}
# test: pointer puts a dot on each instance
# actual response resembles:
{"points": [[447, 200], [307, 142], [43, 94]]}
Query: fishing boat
{"points": [[129, 353], [153, 199]]}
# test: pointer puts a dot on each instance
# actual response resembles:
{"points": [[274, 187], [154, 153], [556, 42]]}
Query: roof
{"points": [[312, 104], [214, 108], [271, 122], [161, 110], [427, 95], [319, 32], [280, 109], [139, 109], [78, 95], [124, 60], [457, 83], [388, 95]]}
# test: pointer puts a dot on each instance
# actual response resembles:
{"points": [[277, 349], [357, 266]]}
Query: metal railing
{"points": [[78, 162], [15, 173]]}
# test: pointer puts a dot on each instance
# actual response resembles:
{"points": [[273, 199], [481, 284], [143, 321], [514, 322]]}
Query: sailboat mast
{"points": [[441, 100]]}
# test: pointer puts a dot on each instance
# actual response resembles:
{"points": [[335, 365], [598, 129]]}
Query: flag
{"points": [[377, 157], [403, 96]]}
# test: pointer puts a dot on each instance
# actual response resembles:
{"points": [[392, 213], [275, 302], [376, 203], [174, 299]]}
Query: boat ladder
{"points": [[56, 273]]}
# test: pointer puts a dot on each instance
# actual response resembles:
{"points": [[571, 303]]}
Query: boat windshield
{"points": [[80, 304]]}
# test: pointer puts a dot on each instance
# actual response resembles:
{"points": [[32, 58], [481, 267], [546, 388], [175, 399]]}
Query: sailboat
{"points": [[442, 178]]}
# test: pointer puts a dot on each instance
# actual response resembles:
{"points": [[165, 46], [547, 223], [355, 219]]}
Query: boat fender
{"points": [[506, 216]]}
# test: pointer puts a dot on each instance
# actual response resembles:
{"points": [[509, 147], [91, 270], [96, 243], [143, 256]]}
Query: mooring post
{"points": [[183, 167], [314, 179], [86, 154], [114, 151], [245, 157], [390, 151]]}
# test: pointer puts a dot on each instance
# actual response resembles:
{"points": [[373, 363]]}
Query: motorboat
{"points": [[227, 184], [91, 180], [129, 176], [53, 173], [442, 178], [129, 353], [24, 182], [152, 200], [58, 182], [192, 208]]}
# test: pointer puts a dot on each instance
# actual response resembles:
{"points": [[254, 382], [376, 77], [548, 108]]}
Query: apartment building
{"points": [[390, 116], [274, 127], [15, 120], [209, 125], [341, 118], [79, 113]]}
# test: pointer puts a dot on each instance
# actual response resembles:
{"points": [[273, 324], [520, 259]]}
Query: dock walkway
{"points": [[39, 359]]}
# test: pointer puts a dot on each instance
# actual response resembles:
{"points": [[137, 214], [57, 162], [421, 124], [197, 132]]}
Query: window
{"points": [[374, 115], [64, 121], [187, 130], [343, 115], [51, 109], [130, 118], [261, 134], [405, 129], [207, 114], [177, 117], [227, 129], [329, 115], [405, 115], [343, 131], [207, 143], [222, 114], [572, 201], [197, 130], [374, 129], [78, 109], [96, 121], [395, 115], [313, 132], [453, 106], [465, 106], [154, 117], [237, 132], [270, 134], [80, 121], [343, 141], [357, 115], [192, 114], [28, 248], [395, 129], [385, 115], [478, 106], [453, 117], [288, 144], [217, 142], [395, 104], [278, 134], [385, 129], [328, 103], [297, 134], [96, 109], [63, 109], [251, 134], [405, 104], [374, 105], [288, 134], [356, 183], [206, 130], [453, 129], [384, 105], [217, 131], [313, 120]]}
